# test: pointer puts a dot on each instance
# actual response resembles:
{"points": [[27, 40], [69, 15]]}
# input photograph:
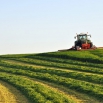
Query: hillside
{"points": [[54, 77]]}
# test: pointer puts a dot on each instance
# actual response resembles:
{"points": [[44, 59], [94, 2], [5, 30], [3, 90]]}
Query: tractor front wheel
{"points": [[91, 45]]}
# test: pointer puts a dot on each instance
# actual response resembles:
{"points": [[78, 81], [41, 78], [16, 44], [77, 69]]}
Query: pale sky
{"points": [[34, 26]]}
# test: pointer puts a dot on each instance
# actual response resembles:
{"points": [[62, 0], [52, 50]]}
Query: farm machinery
{"points": [[82, 43]]}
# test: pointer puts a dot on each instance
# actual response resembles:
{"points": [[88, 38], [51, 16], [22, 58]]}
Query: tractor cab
{"points": [[82, 36]]}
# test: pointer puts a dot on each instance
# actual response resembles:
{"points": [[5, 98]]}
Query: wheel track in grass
{"points": [[66, 61], [97, 102], [65, 73], [38, 87], [36, 74], [84, 98], [56, 88], [73, 95], [84, 56], [21, 63], [98, 71], [98, 53], [9, 94], [47, 60]]}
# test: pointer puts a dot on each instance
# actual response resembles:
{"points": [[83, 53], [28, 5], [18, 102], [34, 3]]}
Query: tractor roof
{"points": [[83, 34]]}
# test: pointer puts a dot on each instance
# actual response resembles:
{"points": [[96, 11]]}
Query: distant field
{"points": [[54, 77]]}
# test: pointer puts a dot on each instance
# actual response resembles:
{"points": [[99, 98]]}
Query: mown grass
{"points": [[81, 86], [34, 90], [94, 78], [9, 94], [79, 71]]}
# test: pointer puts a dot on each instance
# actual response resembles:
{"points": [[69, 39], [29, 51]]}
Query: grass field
{"points": [[54, 77]]}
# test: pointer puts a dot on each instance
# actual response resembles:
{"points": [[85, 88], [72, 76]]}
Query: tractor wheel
{"points": [[78, 48], [78, 45], [91, 45]]}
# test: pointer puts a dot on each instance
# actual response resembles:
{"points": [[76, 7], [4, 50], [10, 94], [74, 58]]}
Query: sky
{"points": [[36, 26]]}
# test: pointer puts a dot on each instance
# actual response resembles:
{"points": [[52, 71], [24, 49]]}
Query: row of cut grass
{"points": [[35, 91], [80, 86], [60, 65], [94, 56], [98, 53], [94, 78], [66, 61], [9, 94], [84, 56], [80, 71]]}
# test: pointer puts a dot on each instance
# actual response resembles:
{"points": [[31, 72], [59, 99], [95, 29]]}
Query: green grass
{"points": [[35, 91], [80, 71]]}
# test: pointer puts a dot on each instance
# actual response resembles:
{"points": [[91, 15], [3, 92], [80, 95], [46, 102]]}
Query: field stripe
{"points": [[89, 77], [35, 91], [66, 61], [62, 66], [68, 72], [18, 65], [73, 95], [11, 94], [76, 97], [77, 85]]}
